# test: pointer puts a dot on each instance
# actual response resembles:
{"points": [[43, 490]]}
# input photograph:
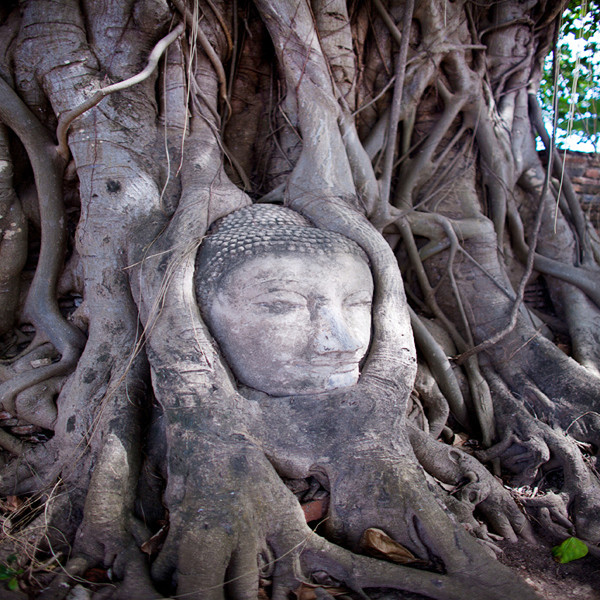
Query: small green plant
{"points": [[571, 549], [9, 573]]}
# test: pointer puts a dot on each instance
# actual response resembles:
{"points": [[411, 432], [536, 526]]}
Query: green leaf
{"points": [[582, 25], [6, 572], [13, 584], [571, 549]]}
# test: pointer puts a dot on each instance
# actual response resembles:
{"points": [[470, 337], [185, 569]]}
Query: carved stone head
{"points": [[289, 304]]}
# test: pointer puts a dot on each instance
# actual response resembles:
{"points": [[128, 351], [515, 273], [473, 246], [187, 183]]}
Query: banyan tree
{"points": [[148, 149]]}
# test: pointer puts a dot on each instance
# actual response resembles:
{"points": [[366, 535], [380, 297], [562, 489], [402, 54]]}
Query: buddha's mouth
{"points": [[333, 368], [311, 379]]}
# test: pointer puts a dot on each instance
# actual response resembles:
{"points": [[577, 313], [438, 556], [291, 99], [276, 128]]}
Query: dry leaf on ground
{"points": [[378, 543]]}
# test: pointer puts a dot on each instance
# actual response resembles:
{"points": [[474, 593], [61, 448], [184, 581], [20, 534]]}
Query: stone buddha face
{"points": [[290, 320]]}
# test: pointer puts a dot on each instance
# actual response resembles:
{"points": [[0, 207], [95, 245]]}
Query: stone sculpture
{"points": [[289, 304]]}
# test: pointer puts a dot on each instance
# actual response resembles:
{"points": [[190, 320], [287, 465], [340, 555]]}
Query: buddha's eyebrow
{"points": [[274, 280], [270, 286], [262, 293]]}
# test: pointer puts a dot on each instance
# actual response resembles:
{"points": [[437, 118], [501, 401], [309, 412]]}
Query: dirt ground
{"points": [[577, 580]]}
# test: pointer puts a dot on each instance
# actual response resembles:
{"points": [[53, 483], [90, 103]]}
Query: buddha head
{"points": [[288, 304]]}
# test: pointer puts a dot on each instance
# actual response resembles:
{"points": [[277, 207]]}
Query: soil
{"points": [[577, 580]]}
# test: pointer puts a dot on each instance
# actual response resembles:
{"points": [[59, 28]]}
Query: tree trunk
{"points": [[407, 127]]}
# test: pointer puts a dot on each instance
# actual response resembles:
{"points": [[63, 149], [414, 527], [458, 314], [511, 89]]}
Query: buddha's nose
{"points": [[333, 333]]}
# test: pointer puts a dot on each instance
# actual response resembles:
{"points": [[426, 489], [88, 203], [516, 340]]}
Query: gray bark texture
{"points": [[128, 448]]}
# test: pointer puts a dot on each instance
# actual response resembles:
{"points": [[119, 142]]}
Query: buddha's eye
{"points": [[279, 302], [358, 300], [280, 307]]}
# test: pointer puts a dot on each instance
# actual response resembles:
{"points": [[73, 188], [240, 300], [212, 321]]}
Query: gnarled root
{"points": [[43, 370], [34, 404], [41, 306], [474, 486], [531, 449], [240, 509]]}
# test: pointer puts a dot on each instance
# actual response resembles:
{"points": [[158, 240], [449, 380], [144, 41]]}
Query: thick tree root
{"points": [[21, 382], [475, 487], [269, 514], [359, 572], [61, 584], [41, 306], [31, 472], [13, 238], [530, 447]]}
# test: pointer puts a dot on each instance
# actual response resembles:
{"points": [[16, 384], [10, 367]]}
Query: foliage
{"points": [[578, 84], [571, 549], [9, 573]]}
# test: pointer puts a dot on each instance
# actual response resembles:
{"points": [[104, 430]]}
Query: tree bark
{"points": [[408, 127]]}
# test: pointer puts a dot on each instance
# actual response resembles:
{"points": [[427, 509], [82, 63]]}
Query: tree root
{"points": [[530, 446], [29, 473], [481, 398], [583, 278], [397, 102], [61, 585], [558, 168], [41, 305], [68, 117], [441, 369], [11, 443], [434, 407], [359, 572], [236, 524], [37, 404], [51, 375], [474, 486], [13, 238], [223, 492]]}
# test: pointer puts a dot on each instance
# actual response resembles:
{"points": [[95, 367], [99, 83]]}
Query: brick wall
{"points": [[584, 170]]}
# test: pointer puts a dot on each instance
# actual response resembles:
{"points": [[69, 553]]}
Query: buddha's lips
{"points": [[333, 367]]}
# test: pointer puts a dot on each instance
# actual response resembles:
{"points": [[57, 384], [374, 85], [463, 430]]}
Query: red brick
{"points": [[315, 509]]}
